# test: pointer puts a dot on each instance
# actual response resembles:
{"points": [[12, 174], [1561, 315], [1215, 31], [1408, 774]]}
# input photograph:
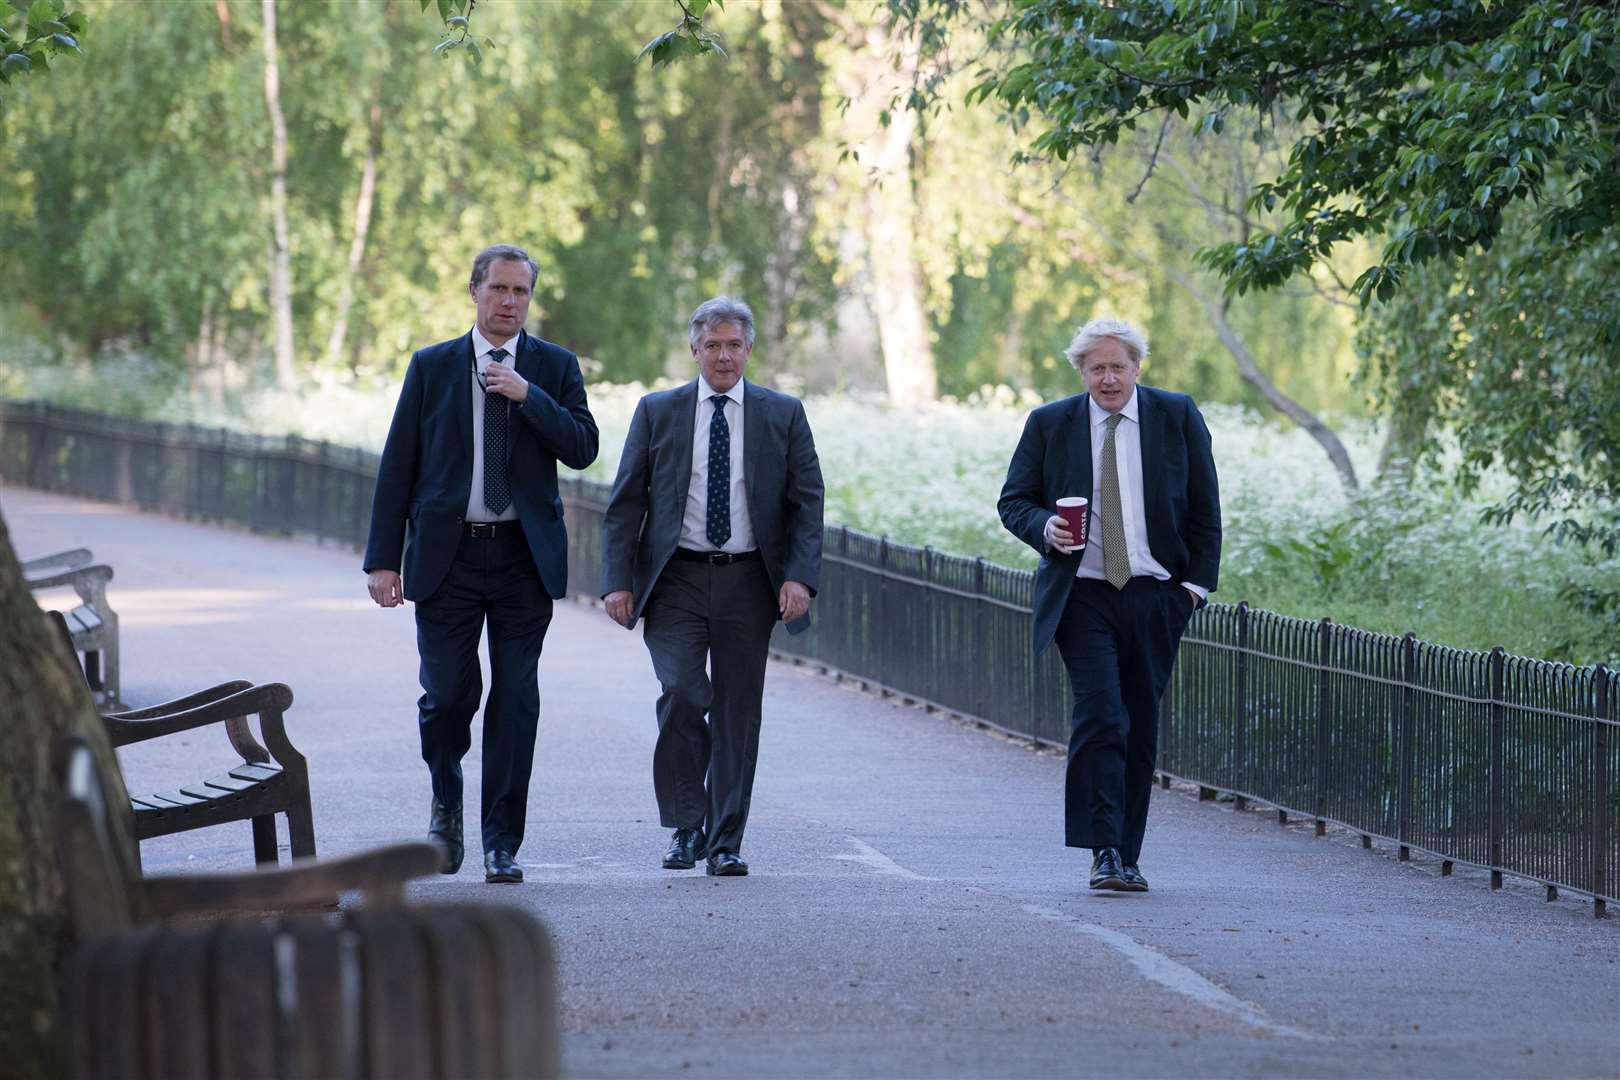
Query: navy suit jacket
{"points": [[782, 476], [1181, 497], [425, 476]]}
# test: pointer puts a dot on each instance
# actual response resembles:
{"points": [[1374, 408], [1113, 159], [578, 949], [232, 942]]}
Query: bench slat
{"points": [[145, 803], [230, 783], [86, 618], [256, 772], [178, 798]]}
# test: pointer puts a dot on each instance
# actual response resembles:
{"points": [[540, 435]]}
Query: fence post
{"points": [[880, 625], [1407, 762], [1324, 710], [1498, 739], [1240, 705], [979, 680], [1600, 791]]}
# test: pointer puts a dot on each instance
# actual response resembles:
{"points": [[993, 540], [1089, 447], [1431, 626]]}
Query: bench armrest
{"points": [[84, 579], [64, 560], [190, 701], [380, 873], [271, 698]]}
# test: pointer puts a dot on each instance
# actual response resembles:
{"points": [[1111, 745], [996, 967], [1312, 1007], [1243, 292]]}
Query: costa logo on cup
{"points": [[1076, 513]]}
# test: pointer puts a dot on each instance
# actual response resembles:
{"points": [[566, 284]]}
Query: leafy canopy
{"points": [[1431, 116], [48, 29]]}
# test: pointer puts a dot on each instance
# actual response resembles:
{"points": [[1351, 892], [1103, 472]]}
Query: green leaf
{"points": [[16, 63], [66, 43], [445, 9], [456, 22], [697, 7], [474, 53]]}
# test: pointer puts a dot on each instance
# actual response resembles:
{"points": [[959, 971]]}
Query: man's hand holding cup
{"points": [[1066, 529]]}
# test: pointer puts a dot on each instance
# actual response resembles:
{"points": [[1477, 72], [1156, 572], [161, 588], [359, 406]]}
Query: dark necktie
{"points": [[719, 523], [1116, 559], [497, 489]]}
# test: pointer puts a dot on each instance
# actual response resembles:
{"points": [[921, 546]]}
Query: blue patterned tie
{"points": [[497, 489], [719, 524]]}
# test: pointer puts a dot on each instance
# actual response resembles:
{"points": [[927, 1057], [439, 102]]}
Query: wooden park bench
{"points": [[261, 784], [382, 991], [93, 625]]}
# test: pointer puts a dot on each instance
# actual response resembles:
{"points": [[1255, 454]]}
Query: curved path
{"points": [[912, 911]]}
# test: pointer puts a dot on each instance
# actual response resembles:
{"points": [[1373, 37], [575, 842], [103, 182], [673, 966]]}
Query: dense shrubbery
{"points": [[1413, 556]]}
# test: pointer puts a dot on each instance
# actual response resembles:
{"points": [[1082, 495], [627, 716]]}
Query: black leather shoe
{"points": [[727, 864], [1105, 869], [444, 828], [1134, 881], [501, 869], [685, 849]]}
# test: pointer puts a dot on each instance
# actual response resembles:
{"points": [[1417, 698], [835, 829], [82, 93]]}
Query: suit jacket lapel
{"points": [[684, 420], [1079, 438], [753, 432], [461, 394], [1151, 418], [526, 362]]}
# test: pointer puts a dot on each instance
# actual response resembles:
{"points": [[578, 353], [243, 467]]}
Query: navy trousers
{"points": [[1118, 646], [493, 580]]}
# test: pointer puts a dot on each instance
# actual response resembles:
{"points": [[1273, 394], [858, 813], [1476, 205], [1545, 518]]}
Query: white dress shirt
{"points": [[694, 527], [1128, 465], [476, 510]]}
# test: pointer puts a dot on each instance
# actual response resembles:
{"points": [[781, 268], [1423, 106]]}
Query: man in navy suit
{"points": [[712, 533], [467, 502], [1116, 607]]}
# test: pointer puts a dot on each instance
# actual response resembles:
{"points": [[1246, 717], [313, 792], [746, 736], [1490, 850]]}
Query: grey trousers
{"points": [[708, 629]]}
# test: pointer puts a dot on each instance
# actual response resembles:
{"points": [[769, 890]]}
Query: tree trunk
{"points": [[44, 698], [889, 213], [1403, 443], [280, 251], [357, 243], [1255, 377]]}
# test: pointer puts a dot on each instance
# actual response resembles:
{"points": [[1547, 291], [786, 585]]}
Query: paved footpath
{"points": [[912, 911]]}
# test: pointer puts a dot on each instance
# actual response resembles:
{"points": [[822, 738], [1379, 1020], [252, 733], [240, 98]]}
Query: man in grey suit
{"points": [[712, 533]]}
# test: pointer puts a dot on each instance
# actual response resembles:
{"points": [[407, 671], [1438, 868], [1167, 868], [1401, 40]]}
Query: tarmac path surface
{"points": [[911, 911]]}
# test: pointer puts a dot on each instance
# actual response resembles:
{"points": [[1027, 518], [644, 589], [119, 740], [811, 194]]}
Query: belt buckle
{"points": [[721, 558], [481, 529]]}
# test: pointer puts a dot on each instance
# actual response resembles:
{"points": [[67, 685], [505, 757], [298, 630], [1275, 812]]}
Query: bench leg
{"points": [[92, 669], [109, 664], [264, 839], [301, 830]]}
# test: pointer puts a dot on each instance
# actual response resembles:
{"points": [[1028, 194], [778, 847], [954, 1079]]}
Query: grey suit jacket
{"points": [[782, 476]]}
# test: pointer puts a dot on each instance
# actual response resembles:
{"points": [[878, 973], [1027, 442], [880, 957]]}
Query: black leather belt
{"points": [[715, 558], [486, 529]]}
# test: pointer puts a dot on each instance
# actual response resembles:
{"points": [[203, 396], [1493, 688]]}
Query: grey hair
{"points": [[508, 252], [721, 309], [1095, 332]]}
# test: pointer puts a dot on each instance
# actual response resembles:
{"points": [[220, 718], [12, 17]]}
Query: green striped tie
{"points": [[1116, 560]]}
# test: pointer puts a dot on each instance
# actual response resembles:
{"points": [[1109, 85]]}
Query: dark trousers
{"points": [[708, 629], [492, 579], [1118, 645]]}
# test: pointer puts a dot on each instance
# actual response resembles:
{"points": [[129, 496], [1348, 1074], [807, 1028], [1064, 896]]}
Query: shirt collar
{"points": [[1131, 411], [481, 347], [705, 391]]}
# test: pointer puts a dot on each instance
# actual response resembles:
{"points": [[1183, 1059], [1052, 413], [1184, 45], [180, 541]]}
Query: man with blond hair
{"points": [[1116, 605]]}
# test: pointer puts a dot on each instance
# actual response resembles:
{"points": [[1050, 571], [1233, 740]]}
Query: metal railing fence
{"points": [[1502, 762]]}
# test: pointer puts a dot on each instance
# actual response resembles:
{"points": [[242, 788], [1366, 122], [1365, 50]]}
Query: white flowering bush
{"points": [[1395, 557]]}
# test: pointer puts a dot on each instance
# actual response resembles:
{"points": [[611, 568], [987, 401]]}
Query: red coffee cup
{"points": [[1075, 512]]}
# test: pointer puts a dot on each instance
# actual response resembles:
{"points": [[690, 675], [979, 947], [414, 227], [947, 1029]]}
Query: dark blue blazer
{"points": [[425, 475], [782, 477], [1181, 496]]}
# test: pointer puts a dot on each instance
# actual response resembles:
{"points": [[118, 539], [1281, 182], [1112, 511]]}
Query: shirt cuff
{"points": [[1203, 593]]}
